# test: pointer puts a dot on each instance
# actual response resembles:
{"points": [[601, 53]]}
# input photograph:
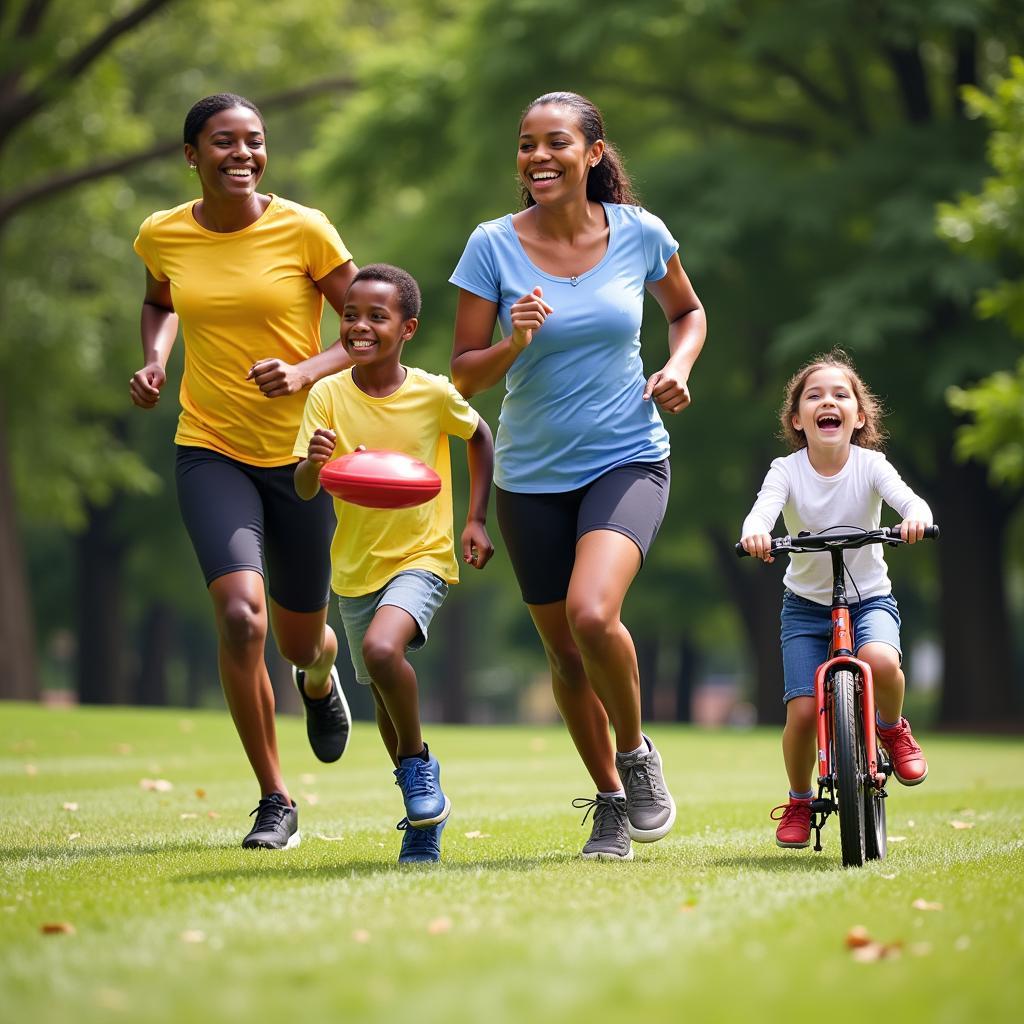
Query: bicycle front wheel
{"points": [[847, 768], [876, 841]]}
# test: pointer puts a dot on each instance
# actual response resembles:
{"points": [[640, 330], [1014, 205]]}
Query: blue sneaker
{"points": [[420, 782], [420, 845]]}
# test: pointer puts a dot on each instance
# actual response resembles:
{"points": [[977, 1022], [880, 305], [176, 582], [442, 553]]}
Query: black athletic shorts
{"points": [[541, 530], [242, 517]]}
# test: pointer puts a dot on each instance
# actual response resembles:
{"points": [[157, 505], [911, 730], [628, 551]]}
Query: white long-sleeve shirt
{"points": [[816, 503]]}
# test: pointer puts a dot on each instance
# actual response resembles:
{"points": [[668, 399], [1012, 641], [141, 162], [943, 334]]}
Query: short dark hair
{"points": [[409, 299], [205, 108], [607, 181]]}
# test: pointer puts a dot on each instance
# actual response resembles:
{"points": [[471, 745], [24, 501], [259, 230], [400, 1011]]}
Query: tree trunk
{"points": [[453, 689], [19, 676], [686, 677], [980, 683], [158, 635], [99, 557], [756, 591]]}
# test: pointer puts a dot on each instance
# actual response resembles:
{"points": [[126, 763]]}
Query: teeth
{"points": [[361, 342], [239, 172], [544, 175]]}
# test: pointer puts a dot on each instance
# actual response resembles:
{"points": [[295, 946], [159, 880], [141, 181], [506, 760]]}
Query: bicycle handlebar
{"points": [[810, 542]]}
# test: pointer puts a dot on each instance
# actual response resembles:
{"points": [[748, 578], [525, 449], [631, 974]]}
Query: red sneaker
{"points": [[794, 831], [908, 763]]}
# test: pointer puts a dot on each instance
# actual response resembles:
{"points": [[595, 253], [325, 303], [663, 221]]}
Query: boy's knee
{"points": [[381, 655], [883, 659], [301, 654], [589, 622], [802, 714], [567, 670]]}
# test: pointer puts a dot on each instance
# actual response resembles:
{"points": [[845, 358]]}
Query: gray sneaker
{"points": [[609, 838], [650, 809]]}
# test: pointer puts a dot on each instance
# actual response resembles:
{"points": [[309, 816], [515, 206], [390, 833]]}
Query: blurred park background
{"points": [[837, 172]]}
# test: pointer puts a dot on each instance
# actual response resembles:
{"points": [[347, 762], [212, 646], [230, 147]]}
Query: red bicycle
{"points": [[853, 767]]}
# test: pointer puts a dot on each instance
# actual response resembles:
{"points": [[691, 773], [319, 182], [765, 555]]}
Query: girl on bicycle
{"points": [[836, 476]]}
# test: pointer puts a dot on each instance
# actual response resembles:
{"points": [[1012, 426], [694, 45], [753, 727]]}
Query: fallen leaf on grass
{"points": [[186, 725], [31, 770], [896, 839], [311, 798], [74, 836], [201, 794], [360, 935], [212, 814], [925, 905], [329, 839], [307, 778], [156, 785], [71, 806], [537, 744], [687, 906], [874, 951], [857, 936], [57, 928], [962, 944], [888, 878], [187, 815], [477, 834], [193, 935], [123, 748], [962, 824], [439, 926], [921, 948]]}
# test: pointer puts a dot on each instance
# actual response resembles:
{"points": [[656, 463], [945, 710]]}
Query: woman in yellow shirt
{"points": [[246, 275]]}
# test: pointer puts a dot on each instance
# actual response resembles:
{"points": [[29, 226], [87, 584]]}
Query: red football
{"points": [[380, 479]]}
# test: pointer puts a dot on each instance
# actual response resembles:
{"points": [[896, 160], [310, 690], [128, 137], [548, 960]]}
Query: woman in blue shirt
{"points": [[581, 453]]}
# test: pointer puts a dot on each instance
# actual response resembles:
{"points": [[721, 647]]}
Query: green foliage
{"points": [[989, 225]]}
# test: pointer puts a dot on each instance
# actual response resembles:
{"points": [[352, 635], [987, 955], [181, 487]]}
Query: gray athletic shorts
{"points": [[541, 530]]}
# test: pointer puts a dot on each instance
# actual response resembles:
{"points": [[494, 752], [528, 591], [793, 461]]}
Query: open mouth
{"points": [[829, 422], [542, 177], [361, 344], [240, 173]]}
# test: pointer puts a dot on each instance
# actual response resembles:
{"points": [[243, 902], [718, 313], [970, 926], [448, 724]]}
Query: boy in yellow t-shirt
{"points": [[392, 567]]}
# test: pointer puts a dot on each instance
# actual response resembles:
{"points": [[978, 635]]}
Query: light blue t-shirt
{"points": [[573, 407]]}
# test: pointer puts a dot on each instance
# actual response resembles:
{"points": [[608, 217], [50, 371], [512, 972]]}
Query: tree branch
{"points": [[28, 25], [783, 131], [29, 103], [58, 183], [965, 46]]}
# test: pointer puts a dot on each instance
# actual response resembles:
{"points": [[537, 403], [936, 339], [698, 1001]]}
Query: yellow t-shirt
{"points": [[372, 545], [242, 296]]}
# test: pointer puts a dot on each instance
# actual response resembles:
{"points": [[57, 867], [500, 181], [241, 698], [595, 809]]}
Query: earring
{"points": [[191, 167]]}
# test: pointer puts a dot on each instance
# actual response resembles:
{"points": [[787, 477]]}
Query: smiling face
{"points": [[230, 153], [373, 329], [828, 412], [554, 158]]}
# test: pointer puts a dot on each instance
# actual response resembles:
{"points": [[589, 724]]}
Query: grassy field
{"points": [[173, 921]]}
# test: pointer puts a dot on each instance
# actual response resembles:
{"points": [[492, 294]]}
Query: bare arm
{"points": [[275, 378], [476, 363], [307, 471], [159, 328], [476, 544], [687, 329]]}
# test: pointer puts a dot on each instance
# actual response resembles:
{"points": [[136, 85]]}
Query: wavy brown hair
{"points": [[871, 435]]}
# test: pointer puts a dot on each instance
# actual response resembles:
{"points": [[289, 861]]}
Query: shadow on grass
{"points": [[70, 851], [368, 868], [775, 864]]}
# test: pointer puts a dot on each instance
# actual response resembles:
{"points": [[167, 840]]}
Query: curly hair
{"points": [[409, 299], [871, 435], [205, 108], [607, 181]]}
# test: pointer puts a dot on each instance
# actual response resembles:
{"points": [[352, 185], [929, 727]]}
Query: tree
{"points": [[990, 226]]}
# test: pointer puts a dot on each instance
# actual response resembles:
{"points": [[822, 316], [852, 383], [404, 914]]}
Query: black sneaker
{"points": [[328, 720], [276, 826]]}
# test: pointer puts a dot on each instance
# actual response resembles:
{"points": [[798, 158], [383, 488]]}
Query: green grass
{"points": [[713, 923]]}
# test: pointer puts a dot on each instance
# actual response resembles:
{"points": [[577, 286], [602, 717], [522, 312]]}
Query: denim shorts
{"points": [[807, 628], [416, 591]]}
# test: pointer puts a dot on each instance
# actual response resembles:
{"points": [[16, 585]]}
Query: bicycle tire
{"points": [[847, 768], [876, 842]]}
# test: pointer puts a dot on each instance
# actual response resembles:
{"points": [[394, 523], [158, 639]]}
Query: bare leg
{"points": [[240, 611], [305, 639], [888, 677], [606, 564], [384, 644], [582, 712], [800, 742], [385, 726]]}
